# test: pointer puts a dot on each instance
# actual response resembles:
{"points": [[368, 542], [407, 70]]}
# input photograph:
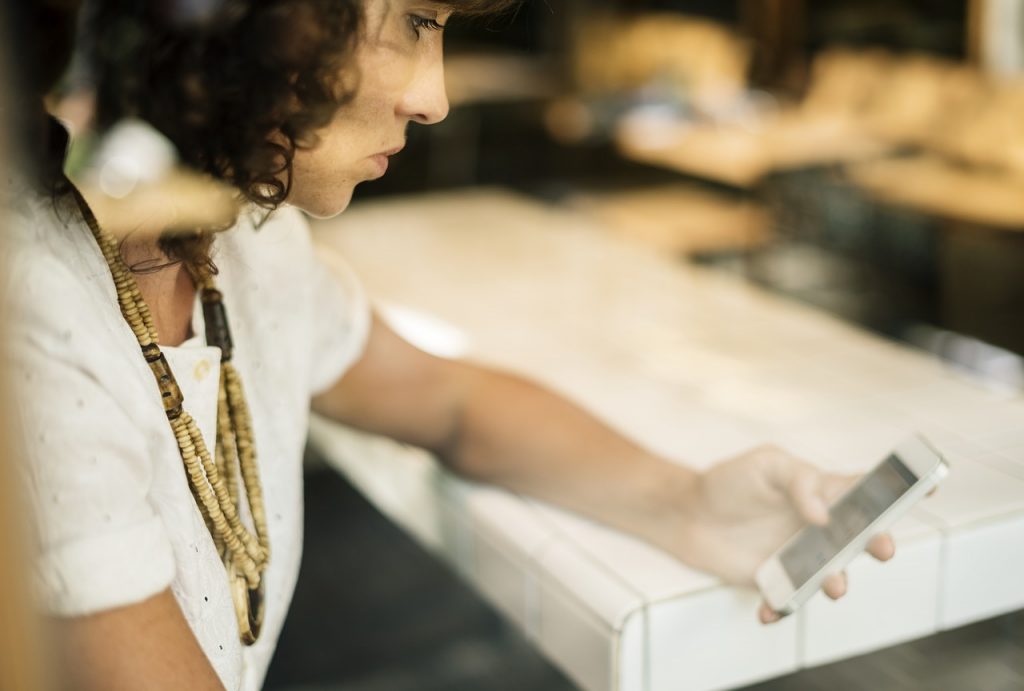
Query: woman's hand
{"points": [[743, 509]]}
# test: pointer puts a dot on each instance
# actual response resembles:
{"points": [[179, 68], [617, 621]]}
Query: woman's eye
{"points": [[418, 23]]}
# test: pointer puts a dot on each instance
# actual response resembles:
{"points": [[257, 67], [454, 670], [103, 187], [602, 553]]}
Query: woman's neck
{"points": [[169, 291]]}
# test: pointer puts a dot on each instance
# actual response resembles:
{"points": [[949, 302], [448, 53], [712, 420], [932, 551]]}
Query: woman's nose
{"points": [[425, 100]]}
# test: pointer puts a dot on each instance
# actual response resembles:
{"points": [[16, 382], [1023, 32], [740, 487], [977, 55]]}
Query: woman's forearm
{"points": [[515, 434]]}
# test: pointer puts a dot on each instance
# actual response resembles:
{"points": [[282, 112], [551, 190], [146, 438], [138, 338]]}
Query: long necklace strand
{"points": [[213, 481]]}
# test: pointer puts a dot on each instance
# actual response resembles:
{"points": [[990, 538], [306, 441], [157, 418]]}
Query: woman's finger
{"points": [[767, 615], [804, 490], [835, 585], [882, 547], [834, 486], [797, 480]]}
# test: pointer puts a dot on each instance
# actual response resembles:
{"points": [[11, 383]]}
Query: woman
{"points": [[164, 569]]}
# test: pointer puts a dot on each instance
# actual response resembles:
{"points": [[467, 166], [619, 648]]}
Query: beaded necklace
{"points": [[213, 481]]}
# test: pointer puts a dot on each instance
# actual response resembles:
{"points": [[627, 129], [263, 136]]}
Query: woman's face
{"points": [[401, 79]]}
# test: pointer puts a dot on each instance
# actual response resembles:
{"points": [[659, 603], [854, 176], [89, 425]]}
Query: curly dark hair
{"points": [[237, 90]]}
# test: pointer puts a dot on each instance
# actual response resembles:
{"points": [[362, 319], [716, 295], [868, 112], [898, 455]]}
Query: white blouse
{"points": [[116, 522]]}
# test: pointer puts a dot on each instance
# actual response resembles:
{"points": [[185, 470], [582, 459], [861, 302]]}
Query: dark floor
{"points": [[374, 612]]}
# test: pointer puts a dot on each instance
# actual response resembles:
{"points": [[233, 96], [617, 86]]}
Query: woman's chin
{"points": [[325, 205]]}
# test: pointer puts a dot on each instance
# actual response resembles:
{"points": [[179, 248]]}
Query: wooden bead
{"points": [[169, 390], [216, 320]]}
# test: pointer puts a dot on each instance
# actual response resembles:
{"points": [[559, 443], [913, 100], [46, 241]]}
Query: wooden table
{"points": [[697, 366]]}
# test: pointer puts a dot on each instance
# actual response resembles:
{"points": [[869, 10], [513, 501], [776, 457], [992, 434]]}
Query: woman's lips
{"points": [[381, 159]]}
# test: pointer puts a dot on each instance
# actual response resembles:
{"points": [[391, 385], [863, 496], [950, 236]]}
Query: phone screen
{"points": [[850, 516]]}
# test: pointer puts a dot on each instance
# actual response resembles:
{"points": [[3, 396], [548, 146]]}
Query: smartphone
{"points": [[794, 573]]}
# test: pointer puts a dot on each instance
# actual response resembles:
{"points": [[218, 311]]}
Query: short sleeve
{"points": [[341, 318], [86, 465]]}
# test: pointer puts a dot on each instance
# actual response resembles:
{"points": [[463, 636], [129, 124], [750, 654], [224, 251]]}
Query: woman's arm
{"points": [[499, 428], [148, 645]]}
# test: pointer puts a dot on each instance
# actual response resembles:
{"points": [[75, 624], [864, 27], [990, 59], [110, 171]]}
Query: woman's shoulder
{"points": [[56, 292]]}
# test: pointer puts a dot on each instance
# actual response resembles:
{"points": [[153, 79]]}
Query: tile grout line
{"points": [[571, 544], [616, 578]]}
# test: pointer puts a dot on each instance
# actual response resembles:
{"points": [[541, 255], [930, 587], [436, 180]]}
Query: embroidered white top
{"points": [[116, 522]]}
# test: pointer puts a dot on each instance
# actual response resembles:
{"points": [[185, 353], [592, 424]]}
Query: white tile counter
{"points": [[697, 366]]}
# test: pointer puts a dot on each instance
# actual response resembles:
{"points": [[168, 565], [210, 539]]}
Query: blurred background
{"points": [[862, 156]]}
